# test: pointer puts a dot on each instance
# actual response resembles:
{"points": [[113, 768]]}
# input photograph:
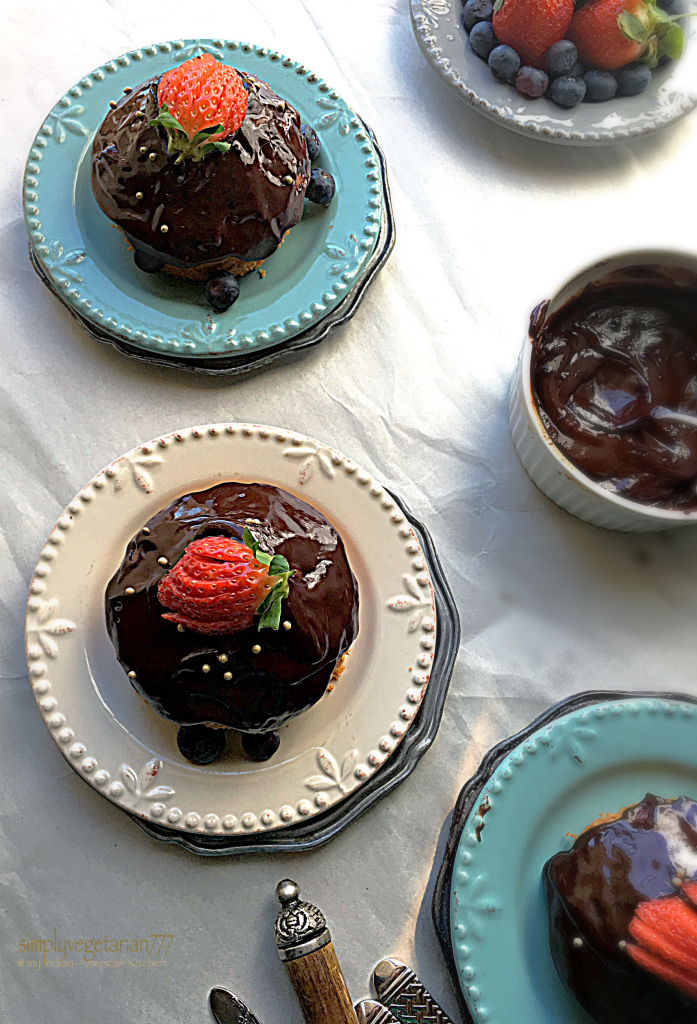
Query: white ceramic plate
{"points": [[123, 748], [672, 94]]}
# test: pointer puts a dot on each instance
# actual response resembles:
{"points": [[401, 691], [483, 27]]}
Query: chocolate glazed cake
{"points": [[228, 211], [623, 915], [251, 680]]}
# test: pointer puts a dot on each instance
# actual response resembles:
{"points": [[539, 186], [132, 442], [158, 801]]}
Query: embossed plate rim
{"points": [[475, 789], [438, 29], [128, 492], [59, 244]]}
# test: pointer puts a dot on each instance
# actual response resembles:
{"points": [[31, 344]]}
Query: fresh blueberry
{"points": [[504, 63], [222, 290], [531, 82], [561, 58], [633, 79], [146, 262], [321, 188], [600, 86], [672, 7], [199, 744], [476, 11], [576, 71], [567, 92], [313, 143], [260, 746], [483, 39]]}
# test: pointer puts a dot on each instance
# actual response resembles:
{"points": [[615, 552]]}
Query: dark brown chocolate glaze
{"points": [[294, 667], [593, 891], [602, 365], [228, 204]]}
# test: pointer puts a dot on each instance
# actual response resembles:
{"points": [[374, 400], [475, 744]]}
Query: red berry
{"points": [[215, 587], [202, 93], [665, 934], [599, 37], [532, 26]]}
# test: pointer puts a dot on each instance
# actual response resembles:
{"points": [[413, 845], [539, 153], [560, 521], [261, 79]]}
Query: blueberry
{"points": [[531, 82], [576, 71], [199, 744], [561, 58], [222, 290], [476, 11], [483, 39], [149, 264], [260, 746], [504, 63], [633, 79], [600, 86], [313, 143], [567, 92], [321, 188]]}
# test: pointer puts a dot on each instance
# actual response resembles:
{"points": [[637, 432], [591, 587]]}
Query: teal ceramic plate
{"points": [[88, 262], [554, 779]]}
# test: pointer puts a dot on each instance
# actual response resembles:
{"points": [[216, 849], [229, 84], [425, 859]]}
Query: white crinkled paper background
{"points": [[415, 389]]}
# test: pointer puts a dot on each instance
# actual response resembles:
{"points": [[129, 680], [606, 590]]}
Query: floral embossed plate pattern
{"points": [[444, 42], [124, 749], [592, 754], [88, 262]]}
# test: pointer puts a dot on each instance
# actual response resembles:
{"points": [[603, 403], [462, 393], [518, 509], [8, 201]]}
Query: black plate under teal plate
{"points": [[246, 363], [418, 739], [591, 754]]}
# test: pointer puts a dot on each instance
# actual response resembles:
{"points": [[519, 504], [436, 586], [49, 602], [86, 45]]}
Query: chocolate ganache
{"points": [[622, 915], [235, 204], [256, 679], [614, 377]]}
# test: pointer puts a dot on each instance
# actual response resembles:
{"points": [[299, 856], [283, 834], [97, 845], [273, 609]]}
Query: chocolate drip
{"points": [[294, 666], [239, 203], [606, 368]]}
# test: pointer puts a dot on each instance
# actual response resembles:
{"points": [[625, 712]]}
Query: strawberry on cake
{"points": [[623, 914], [204, 169], [233, 609]]}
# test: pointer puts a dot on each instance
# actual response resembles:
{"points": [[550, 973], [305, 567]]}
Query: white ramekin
{"points": [[556, 477]]}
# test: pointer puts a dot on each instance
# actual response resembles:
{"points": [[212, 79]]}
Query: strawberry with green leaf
{"points": [[612, 33], [202, 103], [220, 584]]}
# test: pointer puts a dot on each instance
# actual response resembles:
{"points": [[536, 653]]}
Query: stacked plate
{"points": [[311, 285], [335, 760]]}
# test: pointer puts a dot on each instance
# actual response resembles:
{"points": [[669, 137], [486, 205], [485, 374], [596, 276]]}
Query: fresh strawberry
{"points": [[531, 26], [665, 934], [612, 33], [219, 585], [202, 102]]}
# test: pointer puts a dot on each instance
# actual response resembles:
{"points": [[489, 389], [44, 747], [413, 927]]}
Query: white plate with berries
{"points": [[586, 74], [96, 609]]}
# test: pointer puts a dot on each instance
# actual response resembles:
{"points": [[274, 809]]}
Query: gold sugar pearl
{"points": [[222, 658], [162, 560], [131, 675], [256, 649], [164, 229], [180, 628], [146, 529], [288, 179], [127, 89], [227, 675], [152, 156], [112, 103], [205, 668], [130, 590], [143, 149], [286, 624], [139, 195]]}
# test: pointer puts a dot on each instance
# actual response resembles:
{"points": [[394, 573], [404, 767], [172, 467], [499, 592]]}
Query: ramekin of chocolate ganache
{"points": [[201, 199], [623, 916], [614, 379], [252, 679]]}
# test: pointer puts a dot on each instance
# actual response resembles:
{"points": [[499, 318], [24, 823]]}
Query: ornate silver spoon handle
{"points": [[370, 1012], [398, 988]]}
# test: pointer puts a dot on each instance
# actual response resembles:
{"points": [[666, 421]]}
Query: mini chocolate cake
{"points": [[229, 210], [247, 675], [614, 379], [623, 915]]}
